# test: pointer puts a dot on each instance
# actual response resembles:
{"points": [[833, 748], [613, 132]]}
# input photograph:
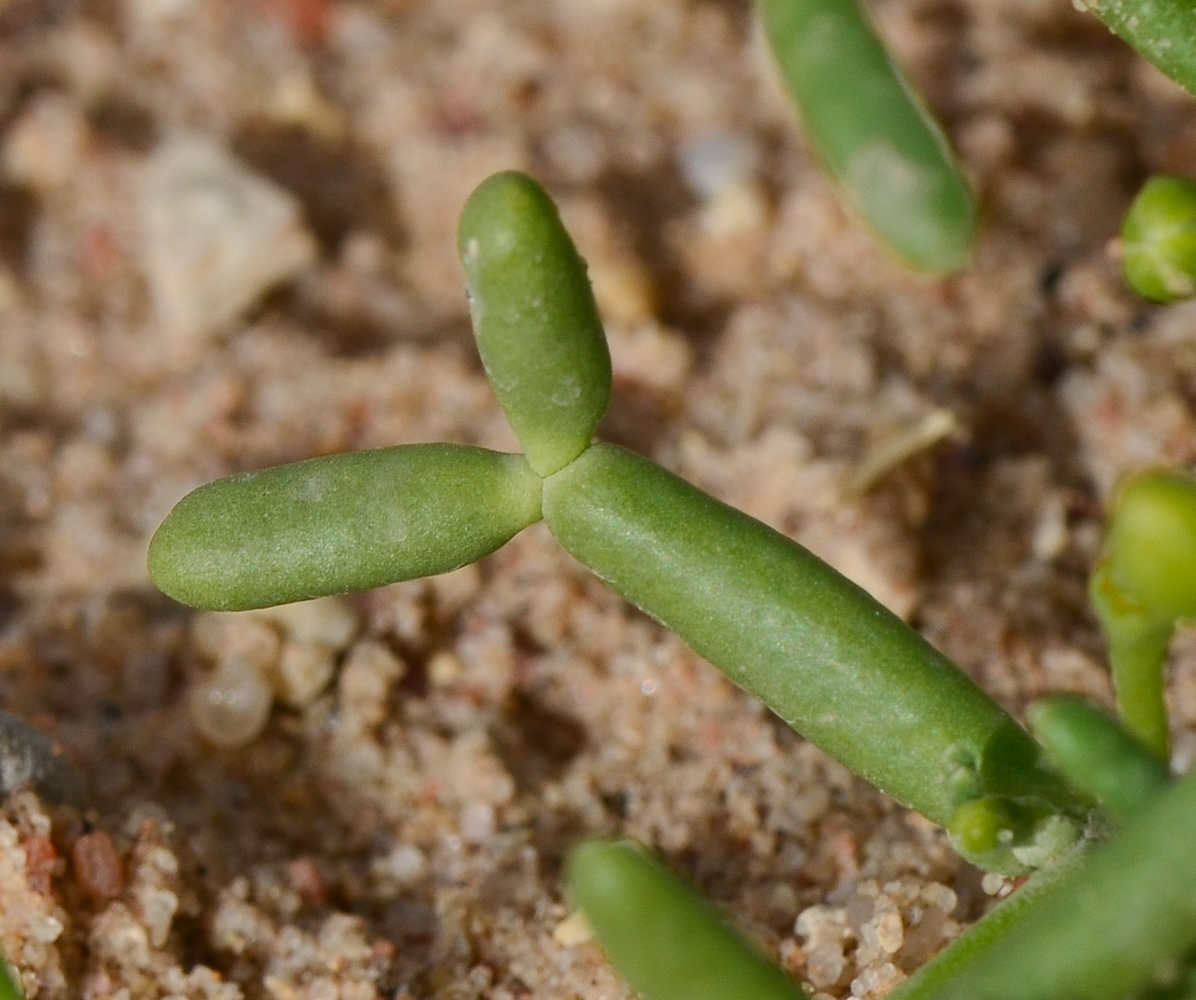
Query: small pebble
{"points": [[717, 160], [97, 866], [303, 671], [216, 236]]}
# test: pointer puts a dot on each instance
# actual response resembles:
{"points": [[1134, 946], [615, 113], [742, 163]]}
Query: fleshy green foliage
{"points": [[1159, 239], [814, 647], [340, 523], [984, 935], [819, 651], [665, 939], [1142, 586], [10, 987], [1099, 924], [871, 131], [1097, 755], [1105, 930], [535, 320], [1163, 31]]}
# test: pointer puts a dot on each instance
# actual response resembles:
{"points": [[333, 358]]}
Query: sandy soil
{"points": [[391, 821]]}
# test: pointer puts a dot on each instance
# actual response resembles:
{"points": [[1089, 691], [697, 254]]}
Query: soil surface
{"points": [[227, 241]]}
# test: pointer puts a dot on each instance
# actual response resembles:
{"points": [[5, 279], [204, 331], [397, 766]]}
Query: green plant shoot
{"points": [[778, 621], [1144, 585], [662, 936], [1159, 240], [1106, 761], [871, 131]]}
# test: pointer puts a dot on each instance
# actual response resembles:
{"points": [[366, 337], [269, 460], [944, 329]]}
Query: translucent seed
{"points": [[229, 707]]}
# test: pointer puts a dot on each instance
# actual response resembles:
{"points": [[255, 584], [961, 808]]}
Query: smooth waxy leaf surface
{"points": [[340, 523], [818, 650], [534, 318]]}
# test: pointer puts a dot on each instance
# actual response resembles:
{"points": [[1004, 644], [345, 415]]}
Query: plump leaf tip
{"points": [[872, 132], [661, 935], [535, 319], [340, 523], [1159, 240]]}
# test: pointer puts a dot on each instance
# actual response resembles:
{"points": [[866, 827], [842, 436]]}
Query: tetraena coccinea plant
{"points": [[814, 647]]}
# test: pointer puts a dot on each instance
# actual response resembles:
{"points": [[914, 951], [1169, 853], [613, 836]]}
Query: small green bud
{"points": [[1159, 237], [1150, 548], [980, 826]]}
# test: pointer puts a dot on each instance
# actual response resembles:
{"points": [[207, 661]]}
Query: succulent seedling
{"points": [[814, 647]]}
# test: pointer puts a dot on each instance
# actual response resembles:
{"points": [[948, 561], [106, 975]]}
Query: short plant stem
{"points": [[1138, 682]]}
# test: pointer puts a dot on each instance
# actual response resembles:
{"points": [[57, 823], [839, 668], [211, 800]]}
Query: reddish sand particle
{"points": [[40, 858], [97, 866], [305, 878]]}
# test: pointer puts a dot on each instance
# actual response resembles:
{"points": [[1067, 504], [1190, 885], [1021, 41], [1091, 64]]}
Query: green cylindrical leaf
{"points": [[661, 935], [1113, 924], [1163, 31], [814, 647], [535, 319], [1097, 755], [871, 131], [340, 523], [1159, 239]]}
